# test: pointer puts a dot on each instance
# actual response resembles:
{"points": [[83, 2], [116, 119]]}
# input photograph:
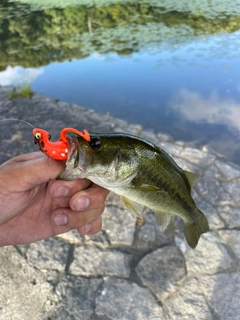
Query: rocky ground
{"points": [[129, 271]]}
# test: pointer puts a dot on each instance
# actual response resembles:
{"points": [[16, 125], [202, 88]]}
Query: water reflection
{"points": [[212, 109], [216, 120], [18, 76]]}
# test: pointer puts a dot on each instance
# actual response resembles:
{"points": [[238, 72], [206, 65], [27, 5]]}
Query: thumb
{"points": [[31, 169]]}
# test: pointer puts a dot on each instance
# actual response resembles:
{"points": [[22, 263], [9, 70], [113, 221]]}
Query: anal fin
{"points": [[165, 222]]}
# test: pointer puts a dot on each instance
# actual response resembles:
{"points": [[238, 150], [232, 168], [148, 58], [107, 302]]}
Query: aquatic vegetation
{"points": [[23, 92]]}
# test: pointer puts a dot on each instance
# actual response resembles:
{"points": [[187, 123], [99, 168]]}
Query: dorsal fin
{"points": [[191, 177]]}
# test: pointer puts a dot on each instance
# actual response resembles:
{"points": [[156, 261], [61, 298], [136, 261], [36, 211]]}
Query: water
{"points": [[173, 69]]}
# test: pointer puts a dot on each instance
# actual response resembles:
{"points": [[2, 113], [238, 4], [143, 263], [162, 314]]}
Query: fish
{"points": [[141, 173]]}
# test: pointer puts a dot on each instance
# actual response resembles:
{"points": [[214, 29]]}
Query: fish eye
{"points": [[49, 137], [95, 143], [38, 135]]}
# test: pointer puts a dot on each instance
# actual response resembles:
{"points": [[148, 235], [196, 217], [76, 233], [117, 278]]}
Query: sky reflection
{"points": [[18, 76], [190, 91]]}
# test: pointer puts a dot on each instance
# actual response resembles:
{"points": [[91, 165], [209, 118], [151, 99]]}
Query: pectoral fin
{"points": [[135, 208], [166, 223], [147, 187]]}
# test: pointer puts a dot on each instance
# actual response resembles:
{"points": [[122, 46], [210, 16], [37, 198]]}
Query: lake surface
{"points": [[171, 66]]}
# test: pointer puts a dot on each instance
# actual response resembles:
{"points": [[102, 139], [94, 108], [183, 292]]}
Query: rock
{"points": [[115, 200], [230, 215], [162, 270], [119, 224], [213, 172], [188, 302], [232, 239], [103, 127], [48, 254], [228, 171], [188, 166], [214, 220], [171, 148], [233, 188], [149, 234], [4, 91], [93, 261], [162, 137], [222, 294], [150, 136], [24, 290], [198, 157], [71, 236], [100, 239], [124, 300], [133, 129], [77, 296], [211, 191], [210, 256], [75, 237], [121, 124]]}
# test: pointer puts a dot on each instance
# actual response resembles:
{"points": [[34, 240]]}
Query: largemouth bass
{"points": [[139, 172]]}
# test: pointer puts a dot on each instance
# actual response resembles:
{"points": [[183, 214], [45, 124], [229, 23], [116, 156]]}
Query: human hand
{"points": [[35, 206]]}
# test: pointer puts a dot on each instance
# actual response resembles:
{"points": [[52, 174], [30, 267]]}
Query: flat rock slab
{"points": [[188, 303], [25, 292], [77, 296], [129, 270], [124, 300], [92, 261], [162, 270], [222, 294]]}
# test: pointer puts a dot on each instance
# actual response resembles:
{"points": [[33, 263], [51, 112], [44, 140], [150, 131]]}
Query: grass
{"points": [[23, 92]]}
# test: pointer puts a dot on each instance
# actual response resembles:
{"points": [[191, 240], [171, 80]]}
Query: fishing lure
{"points": [[57, 150]]}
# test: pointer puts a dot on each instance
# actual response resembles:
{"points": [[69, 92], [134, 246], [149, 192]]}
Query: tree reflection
{"points": [[36, 38]]}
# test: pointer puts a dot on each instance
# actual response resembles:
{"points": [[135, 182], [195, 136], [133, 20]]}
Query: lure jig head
{"points": [[56, 150]]}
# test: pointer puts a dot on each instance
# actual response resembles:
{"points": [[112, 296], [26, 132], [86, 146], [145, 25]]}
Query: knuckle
{"points": [[100, 198]]}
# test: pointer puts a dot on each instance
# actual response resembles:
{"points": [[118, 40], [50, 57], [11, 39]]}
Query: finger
{"points": [[27, 157], [91, 198], [91, 228], [74, 220], [66, 189]]}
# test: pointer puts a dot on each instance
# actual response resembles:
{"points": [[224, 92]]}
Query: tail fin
{"points": [[195, 229]]}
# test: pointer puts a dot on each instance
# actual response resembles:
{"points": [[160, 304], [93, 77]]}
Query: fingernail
{"points": [[60, 219], [85, 229], [82, 203], [61, 192]]}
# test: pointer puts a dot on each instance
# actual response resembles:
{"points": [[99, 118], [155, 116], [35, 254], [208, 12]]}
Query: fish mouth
{"points": [[73, 168], [75, 152]]}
